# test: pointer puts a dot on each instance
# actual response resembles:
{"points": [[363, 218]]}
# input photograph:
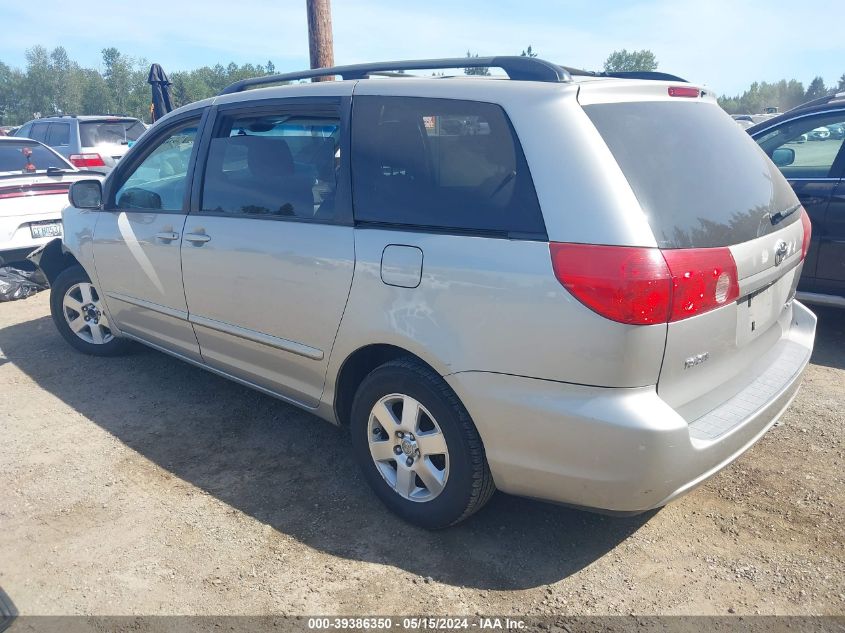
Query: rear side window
{"points": [[274, 165], [58, 135], [114, 132], [39, 131], [700, 179], [442, 164]]}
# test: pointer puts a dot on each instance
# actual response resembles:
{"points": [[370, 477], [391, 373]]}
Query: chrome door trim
{"points": [[149, 305], [257, 337], [219, 372]]}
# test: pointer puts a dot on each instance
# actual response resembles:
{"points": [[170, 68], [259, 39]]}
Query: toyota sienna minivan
{"points": [[573, 286]]}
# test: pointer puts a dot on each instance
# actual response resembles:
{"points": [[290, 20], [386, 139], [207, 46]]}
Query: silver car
{"points": [[94, 143], [572, 287]]}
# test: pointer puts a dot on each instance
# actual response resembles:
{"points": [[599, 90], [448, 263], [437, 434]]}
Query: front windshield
{"points": [[26, 157]]}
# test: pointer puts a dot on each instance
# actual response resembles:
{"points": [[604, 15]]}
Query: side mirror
{"points": [[783, 156], [86, 194], [135, 198]]}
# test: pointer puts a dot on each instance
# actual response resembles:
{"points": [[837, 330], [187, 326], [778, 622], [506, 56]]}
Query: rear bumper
{"points": [[622, 450], [16, 240]]}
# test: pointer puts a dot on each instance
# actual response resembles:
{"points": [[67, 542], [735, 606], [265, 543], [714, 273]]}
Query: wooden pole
{"points": [[320, 43]]}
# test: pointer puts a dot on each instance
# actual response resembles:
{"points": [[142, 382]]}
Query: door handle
{"points": [[197, 238], [167, 236]]}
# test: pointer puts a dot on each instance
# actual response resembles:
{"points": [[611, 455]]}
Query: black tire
{"points": [[66, 280], [469, 484]]}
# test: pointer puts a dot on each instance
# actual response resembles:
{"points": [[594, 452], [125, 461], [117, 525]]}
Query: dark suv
{"points": [[816, 172]]}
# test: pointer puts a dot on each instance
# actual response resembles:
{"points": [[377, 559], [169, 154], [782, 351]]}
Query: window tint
{"points": [[699, 178], [806, 148], [159, 181], [24, 131], [58, 135], [39, 131], [115, 132], [440, 163], [280, 164], [28, 157]]}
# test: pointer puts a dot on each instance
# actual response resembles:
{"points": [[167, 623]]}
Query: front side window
{"points": [[807, 147], [274, 165], [158, 183], [440, 163]]}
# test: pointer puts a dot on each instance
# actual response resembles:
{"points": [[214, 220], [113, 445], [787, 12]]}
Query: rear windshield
{"points": [[701, 180], [93, 133], [28, 157]]}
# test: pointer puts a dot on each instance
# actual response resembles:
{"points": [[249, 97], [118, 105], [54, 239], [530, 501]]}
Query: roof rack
{"points": [[516, 67]]}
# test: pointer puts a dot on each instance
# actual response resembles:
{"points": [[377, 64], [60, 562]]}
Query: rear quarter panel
{"points": [[490, 305]]}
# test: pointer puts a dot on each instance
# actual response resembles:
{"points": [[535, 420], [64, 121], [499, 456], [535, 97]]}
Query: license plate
{"points": [[757, 312], [46, 229]]}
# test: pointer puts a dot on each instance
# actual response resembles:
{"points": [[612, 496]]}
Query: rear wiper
{"points": [[782, 215], [56, 171]]}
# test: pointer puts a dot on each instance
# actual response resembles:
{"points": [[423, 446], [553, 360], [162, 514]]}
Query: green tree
{"points": [[783, 95], [841, 82], [66, 88], [816, 89], [12, 109], [624, 61], [95, 98], [39, 84], [481, 70]]}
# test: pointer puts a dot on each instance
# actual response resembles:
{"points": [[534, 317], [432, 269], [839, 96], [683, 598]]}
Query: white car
{"points": [[819, 134], [34, 183]]}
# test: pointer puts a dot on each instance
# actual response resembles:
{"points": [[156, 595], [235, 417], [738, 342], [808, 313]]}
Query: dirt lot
{"points": [[142, 485]]}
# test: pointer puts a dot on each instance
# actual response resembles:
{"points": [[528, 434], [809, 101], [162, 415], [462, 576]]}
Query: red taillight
{"points": [[683, 91], [87, 160], [703, 279], [641, 286], [808, 233], [625, 284]]}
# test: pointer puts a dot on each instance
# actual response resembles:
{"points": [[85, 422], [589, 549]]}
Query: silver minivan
{"points": [[90, 142], [571, 286]]}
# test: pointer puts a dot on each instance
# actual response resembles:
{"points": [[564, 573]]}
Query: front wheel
{"points": [[78, 312], [417, 446]]}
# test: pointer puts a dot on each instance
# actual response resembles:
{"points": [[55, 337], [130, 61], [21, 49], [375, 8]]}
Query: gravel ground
{"points": [[142, 485]]}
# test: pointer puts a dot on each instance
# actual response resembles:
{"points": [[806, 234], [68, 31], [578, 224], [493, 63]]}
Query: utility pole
{"points": [[320, 44]]}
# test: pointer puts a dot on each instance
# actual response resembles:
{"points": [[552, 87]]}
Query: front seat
{"points": [[268, 185]]}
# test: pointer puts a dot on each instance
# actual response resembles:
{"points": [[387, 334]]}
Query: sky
{"points": [[723, 44]]}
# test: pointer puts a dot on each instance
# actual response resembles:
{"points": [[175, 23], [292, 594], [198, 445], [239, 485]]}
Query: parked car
{"points": [[94, 143], [743, 120], [388, 261], [816, 172], [34, 183], [837, 130], [819, 134]]}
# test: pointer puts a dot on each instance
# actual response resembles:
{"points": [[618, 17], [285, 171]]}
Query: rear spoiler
{"points": [[628, 74]]}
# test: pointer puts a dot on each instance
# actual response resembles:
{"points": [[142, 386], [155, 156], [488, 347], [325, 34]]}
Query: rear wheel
{"points": [[417, 446], [78, 312]]}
